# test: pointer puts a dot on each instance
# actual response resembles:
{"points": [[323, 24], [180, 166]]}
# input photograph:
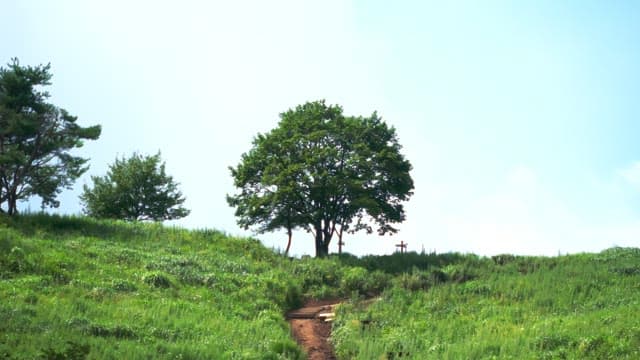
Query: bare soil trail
{"points": [[310, 329]]}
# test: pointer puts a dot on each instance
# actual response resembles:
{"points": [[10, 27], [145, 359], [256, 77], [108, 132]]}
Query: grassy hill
{"points": [[117, 290], [73, 288], [581, 306]]}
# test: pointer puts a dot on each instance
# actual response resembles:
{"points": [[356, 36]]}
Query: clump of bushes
{"points": [[421, 280], [73, 351], [15, 262], [287, 294], [157, 279], [460, 273], [123, 286], [284, 349]]}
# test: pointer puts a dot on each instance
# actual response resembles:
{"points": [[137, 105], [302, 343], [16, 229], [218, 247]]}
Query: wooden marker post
{"points": [[402, 246]]}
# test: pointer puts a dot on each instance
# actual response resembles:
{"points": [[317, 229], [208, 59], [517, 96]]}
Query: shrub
{"points": [[317, 273], [157, 280], [418, 280], [503, 259], [354, 280], [627, 270], [438, 276], [286, 349], [285, 293], [460, 273], [118, 332], [15, 262], [123, 286], [553, 342], [376, 282], [73, 351]]}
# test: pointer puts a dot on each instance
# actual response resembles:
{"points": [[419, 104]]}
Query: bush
{"points": [[157, 280], [73, 351], [354, 280], [421, 280], [123, 286], [285, 293], [15, 262], [317, 274], [460, 273], [376, 282], [286, 349], [553, 342], [418, 280], [503, 259], [118, 332]]}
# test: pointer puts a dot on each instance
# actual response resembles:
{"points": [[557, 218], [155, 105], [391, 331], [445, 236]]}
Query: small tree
{"points": [[134, 189], [323, 172], [35, 139]]}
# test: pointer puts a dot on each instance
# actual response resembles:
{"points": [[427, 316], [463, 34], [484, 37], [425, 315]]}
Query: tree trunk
{"points": [[328, 234], [286, 252], [322, 248], [12, 208]]}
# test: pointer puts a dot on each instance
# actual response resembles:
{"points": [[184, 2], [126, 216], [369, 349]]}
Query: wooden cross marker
{"points": [[402, 246]]}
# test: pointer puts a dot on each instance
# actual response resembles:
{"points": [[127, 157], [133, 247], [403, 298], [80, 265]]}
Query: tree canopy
{"points": [[134, 189], [35, 139], [323, 172]]}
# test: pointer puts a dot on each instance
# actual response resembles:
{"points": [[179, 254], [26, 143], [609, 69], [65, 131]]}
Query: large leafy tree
{"points": [[35, 139], [325, 173], [134, 189]]}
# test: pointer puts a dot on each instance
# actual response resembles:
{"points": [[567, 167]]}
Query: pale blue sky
{"points": [[519, 117]]}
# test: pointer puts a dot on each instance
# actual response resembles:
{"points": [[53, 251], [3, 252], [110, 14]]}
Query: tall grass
{"points": [[79, 287], [76, 288], [570, 307]]}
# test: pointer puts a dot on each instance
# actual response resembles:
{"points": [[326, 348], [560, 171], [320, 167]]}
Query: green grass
{"points": [[571, 307], [138, 291], [76, 288]]}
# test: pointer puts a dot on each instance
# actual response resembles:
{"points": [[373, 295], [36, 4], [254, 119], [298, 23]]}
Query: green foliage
{"points": [[284, 349], [505, 307], [157, 279], [112, 289], [35, 139], [359, 281], [74, 351], [143, 290], [136, 188], [325, 173], [87, 288]]}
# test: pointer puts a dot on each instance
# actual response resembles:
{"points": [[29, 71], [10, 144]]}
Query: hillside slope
{"points": [[76, 288], [114, 290], [582, 306]]}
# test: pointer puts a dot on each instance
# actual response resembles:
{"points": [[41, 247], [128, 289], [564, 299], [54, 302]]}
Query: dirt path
{"points": [[311, 332]]}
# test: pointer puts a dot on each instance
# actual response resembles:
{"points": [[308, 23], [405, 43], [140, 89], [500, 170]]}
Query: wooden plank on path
{"points": [[326, 315]]}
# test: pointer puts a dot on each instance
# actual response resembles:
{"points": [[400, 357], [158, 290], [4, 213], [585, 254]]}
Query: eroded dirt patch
{"points": [[311, 332]]}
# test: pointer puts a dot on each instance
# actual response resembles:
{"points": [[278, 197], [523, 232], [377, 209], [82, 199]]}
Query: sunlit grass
{"points": [[73, 287], [110, 289], [572, 307]]}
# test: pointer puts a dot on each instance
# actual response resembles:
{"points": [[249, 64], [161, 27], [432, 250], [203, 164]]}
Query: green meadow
{"points": [[506, 307], [79, 288]]}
